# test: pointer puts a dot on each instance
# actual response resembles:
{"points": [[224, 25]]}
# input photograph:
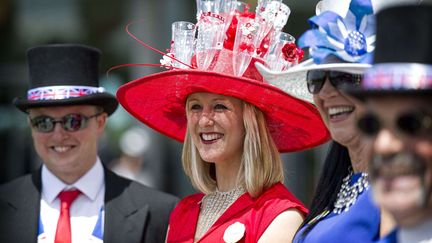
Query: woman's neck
{"points": [[227, 175], [359, 153]]}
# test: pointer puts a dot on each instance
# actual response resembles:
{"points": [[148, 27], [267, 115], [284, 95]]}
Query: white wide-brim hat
{"points": [[293, 80], [341, 38]]}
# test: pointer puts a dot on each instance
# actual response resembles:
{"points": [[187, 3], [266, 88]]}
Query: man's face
{"points": [[68, 154], [401, 167]]}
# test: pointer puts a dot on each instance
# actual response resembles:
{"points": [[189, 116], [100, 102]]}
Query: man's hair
{"points": [[261, 165]]}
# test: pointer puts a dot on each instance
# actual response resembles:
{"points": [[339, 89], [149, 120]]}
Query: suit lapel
{"points": [[25, 207], [33, 203], [124, 221]]}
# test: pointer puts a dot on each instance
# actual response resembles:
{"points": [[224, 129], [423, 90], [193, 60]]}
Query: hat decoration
{"points": [[350, 38], [217, 55], [398, 76], [227, 25], [65, 74], [405, 28], [342, 38]]}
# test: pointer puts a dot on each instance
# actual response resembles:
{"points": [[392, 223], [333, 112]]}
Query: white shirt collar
{"points": [[419, 233], [89, 184]]}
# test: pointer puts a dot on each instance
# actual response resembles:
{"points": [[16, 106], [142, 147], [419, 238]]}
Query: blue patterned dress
{"points": [[361, 223]]}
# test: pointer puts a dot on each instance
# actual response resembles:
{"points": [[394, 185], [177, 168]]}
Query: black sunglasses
{"points": [[315, 79], [411, 123], [70, 122]]}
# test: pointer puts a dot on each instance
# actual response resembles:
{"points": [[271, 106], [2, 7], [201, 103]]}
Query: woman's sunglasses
{"points": [[70, 122], [315, 79], [412, 123]]}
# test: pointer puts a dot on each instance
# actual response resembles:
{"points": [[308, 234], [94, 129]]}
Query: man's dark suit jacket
{"points": [[133, 212]]}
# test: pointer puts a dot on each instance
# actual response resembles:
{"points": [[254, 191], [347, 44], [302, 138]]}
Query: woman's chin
{"points": [[342, 135]]}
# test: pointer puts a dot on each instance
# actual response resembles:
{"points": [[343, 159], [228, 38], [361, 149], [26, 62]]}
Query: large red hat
{"points": [[159, 100]]}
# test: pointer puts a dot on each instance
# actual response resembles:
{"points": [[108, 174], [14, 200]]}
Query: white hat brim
{"points": [[293, 80]]}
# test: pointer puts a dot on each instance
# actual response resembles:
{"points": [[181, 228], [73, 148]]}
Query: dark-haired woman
{"points": [[342, 209]]}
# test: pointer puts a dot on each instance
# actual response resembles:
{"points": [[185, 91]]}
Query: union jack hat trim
{"points": [[398, 76], [62, 92]]}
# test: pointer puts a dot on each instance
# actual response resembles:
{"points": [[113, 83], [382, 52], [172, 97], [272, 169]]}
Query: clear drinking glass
{"points": [[281, 17], [266, 12], [206, 6], [209, 40], [245, 44], [183, 38], [274, 58], [226, 11]]}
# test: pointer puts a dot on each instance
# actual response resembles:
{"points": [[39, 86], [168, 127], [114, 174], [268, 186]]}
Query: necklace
{"points": [[348, 194], [213, 205]]}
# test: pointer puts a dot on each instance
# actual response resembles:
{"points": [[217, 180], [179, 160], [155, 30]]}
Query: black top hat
{"points": [[403, 53], [65, 74]]}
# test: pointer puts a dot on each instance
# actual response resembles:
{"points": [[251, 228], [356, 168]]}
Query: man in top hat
{"points": [[398, 94], [73, 197]]}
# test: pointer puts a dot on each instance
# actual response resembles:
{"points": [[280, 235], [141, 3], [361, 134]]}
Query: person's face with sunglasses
{"points": [[400, 129], [338, 110], [66, 138]]}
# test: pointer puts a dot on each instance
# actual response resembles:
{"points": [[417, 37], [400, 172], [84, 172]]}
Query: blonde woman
{"points": [[233, 128], [230, 151]]}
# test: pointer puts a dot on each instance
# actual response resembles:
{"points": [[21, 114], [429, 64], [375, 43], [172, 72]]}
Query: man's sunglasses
{"points": [[315, 79], [412, 123], [70, 122]]}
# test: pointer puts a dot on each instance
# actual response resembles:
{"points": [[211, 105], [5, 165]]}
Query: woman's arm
{"points": [[283, 227]]}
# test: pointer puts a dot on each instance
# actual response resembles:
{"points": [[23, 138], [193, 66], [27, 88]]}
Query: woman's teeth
{"points": [[211, 137], [334, 111]]}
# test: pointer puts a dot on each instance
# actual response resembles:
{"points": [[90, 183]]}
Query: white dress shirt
{"points": [[84, 211]]}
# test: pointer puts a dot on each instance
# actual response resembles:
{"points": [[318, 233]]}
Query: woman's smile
{"points": [[339, 113], [211, 137]]}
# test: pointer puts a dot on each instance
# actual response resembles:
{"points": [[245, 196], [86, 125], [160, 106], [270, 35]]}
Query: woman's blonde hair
{"points": [[261, 165]]}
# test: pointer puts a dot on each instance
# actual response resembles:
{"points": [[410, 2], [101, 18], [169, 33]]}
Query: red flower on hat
{"points": [[292, 53]]}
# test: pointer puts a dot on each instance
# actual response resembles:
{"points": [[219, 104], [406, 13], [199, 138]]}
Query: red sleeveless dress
{"points": [[255, 214]]}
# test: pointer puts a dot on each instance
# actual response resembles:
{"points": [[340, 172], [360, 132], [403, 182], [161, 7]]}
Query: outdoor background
{"points": [[128, 146]]}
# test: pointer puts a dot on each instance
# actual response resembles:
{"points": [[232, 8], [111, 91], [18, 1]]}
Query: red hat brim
{"points": [[159, 100]]}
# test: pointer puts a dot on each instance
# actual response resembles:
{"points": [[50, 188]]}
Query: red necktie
{"points": [[63, 232]]}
